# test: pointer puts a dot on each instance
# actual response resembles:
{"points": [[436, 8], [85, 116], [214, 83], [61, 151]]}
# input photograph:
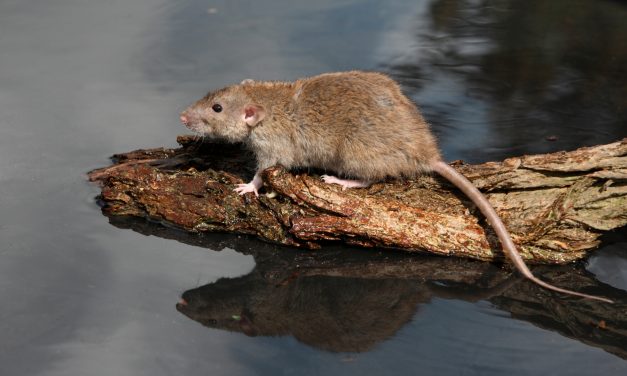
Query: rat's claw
{"points": [[246, 188], [330, 179]]}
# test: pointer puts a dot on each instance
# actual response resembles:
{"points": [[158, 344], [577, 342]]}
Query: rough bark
{"points": [[555, 205]]}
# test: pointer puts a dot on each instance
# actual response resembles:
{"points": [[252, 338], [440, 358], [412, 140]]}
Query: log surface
{"points": [[555, 205]]}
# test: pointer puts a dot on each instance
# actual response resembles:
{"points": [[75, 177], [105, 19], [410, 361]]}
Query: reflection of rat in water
{"points": [[357, 124], [332, 313]]}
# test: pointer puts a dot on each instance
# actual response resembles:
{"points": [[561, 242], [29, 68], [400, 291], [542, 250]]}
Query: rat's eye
{"points": [[216, 107]]}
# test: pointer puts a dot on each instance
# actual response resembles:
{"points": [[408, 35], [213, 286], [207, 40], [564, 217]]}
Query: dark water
{"points": [[81, 80]]}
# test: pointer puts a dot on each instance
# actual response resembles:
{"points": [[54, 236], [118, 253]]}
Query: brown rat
{"points": [[357, 124]]}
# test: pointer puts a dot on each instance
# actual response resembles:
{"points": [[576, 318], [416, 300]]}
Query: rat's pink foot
{"points": [[253, 186], [246, 188], [345, 183]]}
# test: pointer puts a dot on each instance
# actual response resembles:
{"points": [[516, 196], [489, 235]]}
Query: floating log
{"points": [[555, 205]]}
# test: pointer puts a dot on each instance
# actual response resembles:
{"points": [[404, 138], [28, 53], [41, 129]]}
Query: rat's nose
{"points": [[184, 119]]}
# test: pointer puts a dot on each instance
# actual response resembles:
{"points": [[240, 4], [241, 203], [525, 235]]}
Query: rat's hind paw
{"points": [[346, 183]]}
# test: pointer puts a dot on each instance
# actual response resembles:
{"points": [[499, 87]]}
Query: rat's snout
{"points": [[191, 118]]}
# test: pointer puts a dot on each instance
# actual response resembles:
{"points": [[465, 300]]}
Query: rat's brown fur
{"points": [[357, 124], [349, 123]]}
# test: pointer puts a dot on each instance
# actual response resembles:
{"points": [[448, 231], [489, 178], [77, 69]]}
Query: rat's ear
{"points": [[253, 114], [247, 81]]}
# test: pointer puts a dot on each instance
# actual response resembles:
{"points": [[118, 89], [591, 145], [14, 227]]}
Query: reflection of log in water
{"points": [[349, 302], [598, 325], [327, 307]]}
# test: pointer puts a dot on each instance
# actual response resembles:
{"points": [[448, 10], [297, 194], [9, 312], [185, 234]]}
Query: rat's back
{"points": [[360, 125]]}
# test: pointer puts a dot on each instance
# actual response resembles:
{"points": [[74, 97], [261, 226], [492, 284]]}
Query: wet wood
{"points": [[556, 205]]}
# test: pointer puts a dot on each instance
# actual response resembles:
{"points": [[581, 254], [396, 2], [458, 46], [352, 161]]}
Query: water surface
{"points": [[82, 80]]}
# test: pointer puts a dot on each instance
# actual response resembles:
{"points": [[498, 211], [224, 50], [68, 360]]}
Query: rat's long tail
{"points": [[509, 248]]}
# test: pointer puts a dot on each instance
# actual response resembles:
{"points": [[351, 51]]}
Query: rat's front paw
{"points": [[246, 188]]}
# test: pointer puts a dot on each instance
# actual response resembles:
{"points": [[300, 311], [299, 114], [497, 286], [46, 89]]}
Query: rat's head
{"points": [[227, 113]]}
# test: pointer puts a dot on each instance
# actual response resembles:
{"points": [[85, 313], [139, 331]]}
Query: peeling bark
{"points": [[555, 205]]}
